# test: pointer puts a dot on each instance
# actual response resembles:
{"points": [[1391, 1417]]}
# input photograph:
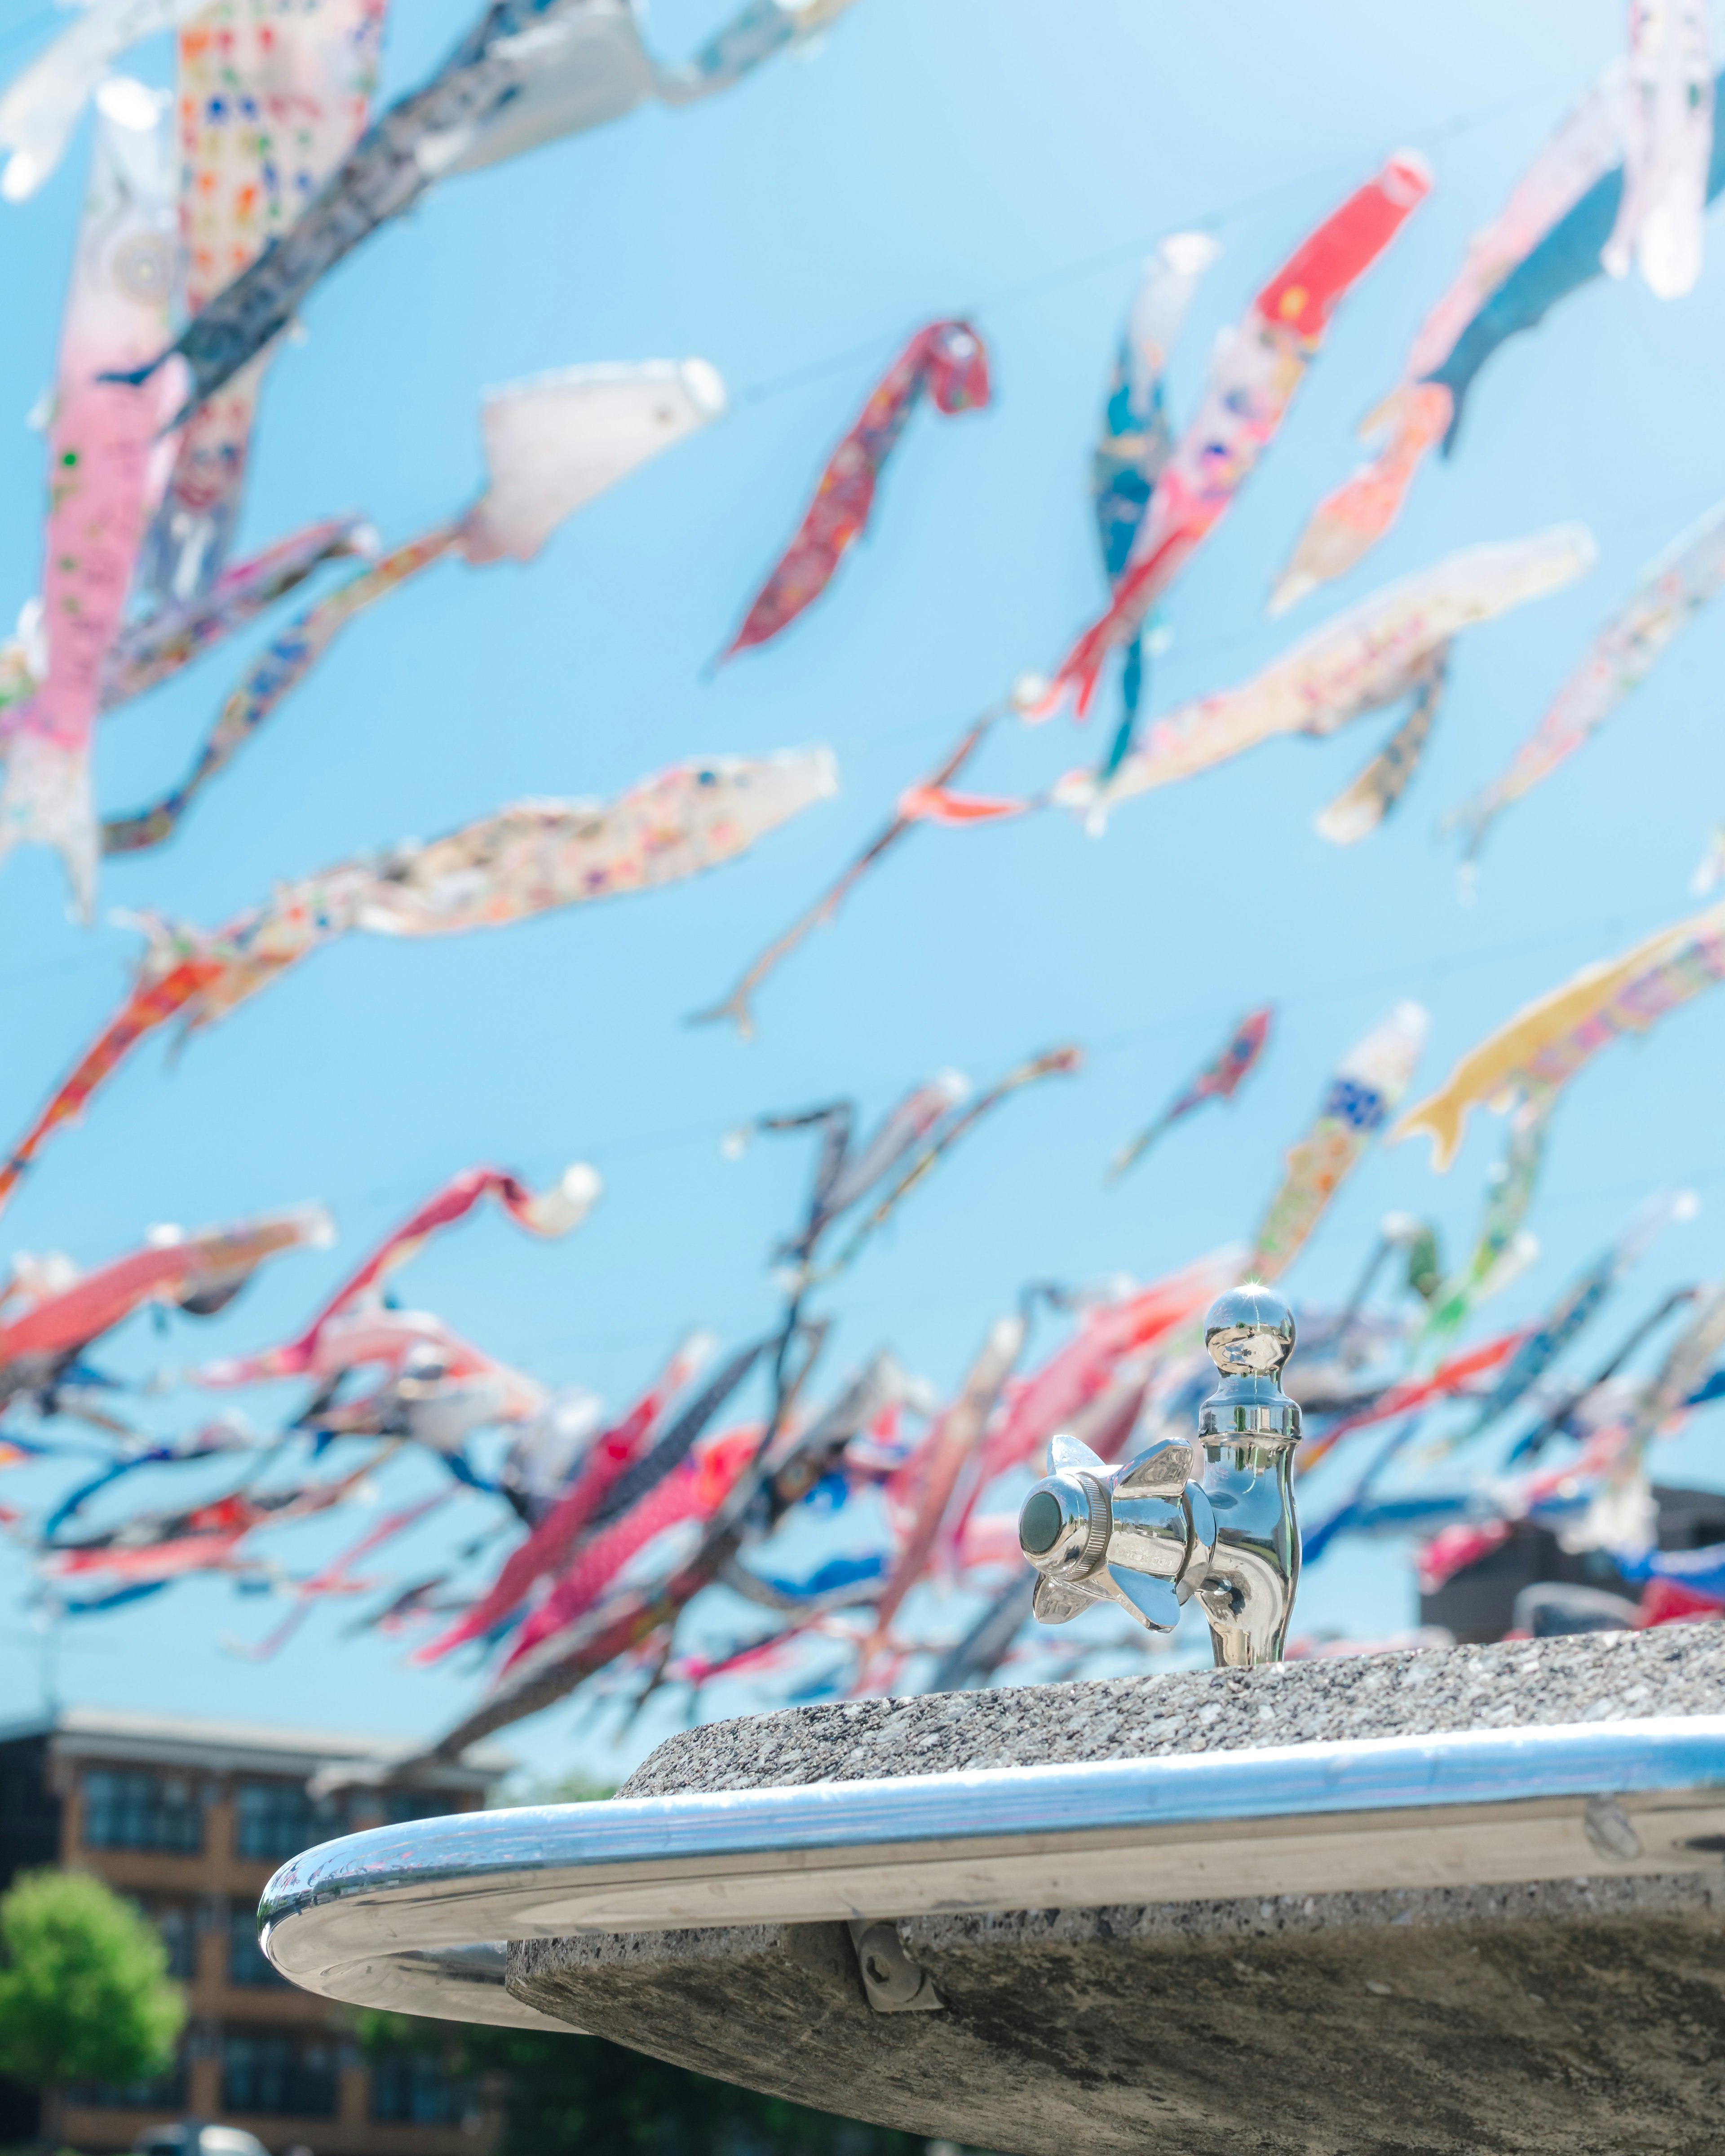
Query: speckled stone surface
{"points": [[1676, 1669], [1582, 2017]]}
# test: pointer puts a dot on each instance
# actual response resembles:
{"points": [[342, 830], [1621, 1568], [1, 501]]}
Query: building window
{"points": [[411, 2088], [283, 2074], [401, 1806], [247, 1962], [123, 1810], [162, 2092], [179, 1935], [278, 1818]]}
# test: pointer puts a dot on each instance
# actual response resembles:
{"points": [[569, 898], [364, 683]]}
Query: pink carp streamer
{"points": [[548, 1547], [1418, 413], [41, 1324], [1256, 370], [551, 1213], [694, 1490], [1667, 146], [1220, 1079], [337, 1576], [940, 1460], [946, 362], [105, 464], [529, 859], [1367, 1086], [1547, 1042], [1670, 592], [272, 94]]}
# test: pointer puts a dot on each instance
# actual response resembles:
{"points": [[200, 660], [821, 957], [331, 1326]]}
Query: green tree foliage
{"points": [[580, 2095], [84, 1993]]}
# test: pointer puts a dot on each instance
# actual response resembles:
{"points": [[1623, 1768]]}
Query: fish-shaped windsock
{"points": [[1668, 145], [1580, 1302], [271, 99], [547, 1548], [1547, 241], [1254, 374], [106, 465], [1368, 1085], [44, 1320], [1504, 1248], [552, 445], [945, 1453], [532, 858], [1549, 1040], [1670, 593], [152, 649], [947, 362], [553, 1212], [528, 72], [1374, 654], [1219, 1080], [1137, 440]]}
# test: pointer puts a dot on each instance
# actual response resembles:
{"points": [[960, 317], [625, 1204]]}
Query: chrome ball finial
{"points": [[1249, 1332]]}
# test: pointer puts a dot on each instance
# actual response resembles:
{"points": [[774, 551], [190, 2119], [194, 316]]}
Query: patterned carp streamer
{"points": [[1360, 807], [272, 94], [1668, 145], [1368, 1085], [532, 859], [946, 362], [552, 445], [153, 650], [1256, 369], [1220, 1079], [1547, 1042], [1372, 655], [529, 72], [1670, 592], [1547, 241], [104, 462], [1504, 1248], [1136, 440]]}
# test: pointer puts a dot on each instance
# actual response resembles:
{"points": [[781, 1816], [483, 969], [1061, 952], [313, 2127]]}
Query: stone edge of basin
{"points": [[1602, 1676], [1044, 2045]]}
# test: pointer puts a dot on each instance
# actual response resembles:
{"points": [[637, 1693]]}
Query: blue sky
{"points": [[1014, 161]]}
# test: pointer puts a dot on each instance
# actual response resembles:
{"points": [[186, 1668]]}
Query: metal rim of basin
{"points": [[416, 1917]]}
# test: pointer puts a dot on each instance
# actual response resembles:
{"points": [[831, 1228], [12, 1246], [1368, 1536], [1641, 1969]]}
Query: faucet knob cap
{"points": [[1249, 1332], [1249, 1335]]}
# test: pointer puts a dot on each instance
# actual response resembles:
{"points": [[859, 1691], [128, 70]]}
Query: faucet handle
{"points": [[1138, 1536]]}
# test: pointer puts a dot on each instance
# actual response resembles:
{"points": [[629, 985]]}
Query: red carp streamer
{"points": [[1253, 377], [948, 360], [553, 1212]]}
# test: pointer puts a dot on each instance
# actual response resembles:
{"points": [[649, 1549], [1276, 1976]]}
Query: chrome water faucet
{"points": [[1149, 1536]]}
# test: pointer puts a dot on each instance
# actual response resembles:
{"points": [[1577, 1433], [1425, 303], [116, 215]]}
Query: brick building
{"points": [[190, 1818]]}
